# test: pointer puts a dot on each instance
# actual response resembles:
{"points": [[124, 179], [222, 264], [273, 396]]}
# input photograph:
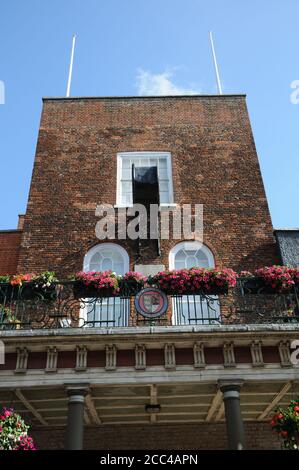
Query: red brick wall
{"points": [[158, 436], [9, 251], [214, 163]]}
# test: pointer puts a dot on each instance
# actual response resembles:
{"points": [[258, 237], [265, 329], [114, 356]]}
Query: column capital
{"points": [[77, 389], [233, 385]]}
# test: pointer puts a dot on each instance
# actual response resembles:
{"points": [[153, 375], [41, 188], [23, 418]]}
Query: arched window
{"points": [[113, 311], [190, 254], [193, 309], [107, 256]]}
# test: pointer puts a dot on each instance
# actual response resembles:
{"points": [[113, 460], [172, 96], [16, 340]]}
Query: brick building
{"points": [[171, 383]]}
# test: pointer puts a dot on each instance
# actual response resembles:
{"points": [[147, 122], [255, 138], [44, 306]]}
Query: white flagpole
{"points": [[68, 89], [215, 65]]}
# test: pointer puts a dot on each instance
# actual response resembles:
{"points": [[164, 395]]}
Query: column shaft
{"points": [[75, 420], [233, 416]]}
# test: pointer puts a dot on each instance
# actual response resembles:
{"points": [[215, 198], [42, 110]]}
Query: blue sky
{"points": [[128, 47]]}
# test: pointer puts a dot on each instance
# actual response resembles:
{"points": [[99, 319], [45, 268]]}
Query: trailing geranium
{"points": [[285, 423], [14, 432], [131, 283], [294, 273], [20, 279], [102, 281], [278, 278], [43, 280], [133, 276], [195, 280]]}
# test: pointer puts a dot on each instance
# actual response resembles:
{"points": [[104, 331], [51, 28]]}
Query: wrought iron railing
{"points": [[58, 306]]}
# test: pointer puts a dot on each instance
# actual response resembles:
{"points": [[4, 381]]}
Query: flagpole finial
{"points": [[215, 65], [68, 88]]}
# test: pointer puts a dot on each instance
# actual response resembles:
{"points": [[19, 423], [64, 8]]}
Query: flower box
{"points": [[95, 285], [252, 285], [195, 281], [257, 285], [81, 291], [129, 288], [27, 291], [214, 290], [131, 283]]}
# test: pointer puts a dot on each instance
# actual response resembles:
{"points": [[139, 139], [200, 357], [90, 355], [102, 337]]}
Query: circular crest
{"points": [[151, 302]]}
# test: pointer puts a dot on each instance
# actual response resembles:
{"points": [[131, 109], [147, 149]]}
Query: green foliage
{"points": [[14, 432], [285, 423]]}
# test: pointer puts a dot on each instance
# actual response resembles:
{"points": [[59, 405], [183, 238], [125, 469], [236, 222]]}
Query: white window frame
{"points": [[190, 245], [150, 154], [99, 247]]}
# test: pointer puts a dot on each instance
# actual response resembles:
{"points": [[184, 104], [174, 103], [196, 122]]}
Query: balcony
{"points": [[60, 306]]}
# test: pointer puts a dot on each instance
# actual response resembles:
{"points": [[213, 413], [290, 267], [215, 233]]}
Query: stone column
{"points": [[75, 417], [234, 421]]}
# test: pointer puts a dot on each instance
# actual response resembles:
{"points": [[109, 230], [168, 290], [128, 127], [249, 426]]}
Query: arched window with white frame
{"points": [[111, 311], [193, 309]]}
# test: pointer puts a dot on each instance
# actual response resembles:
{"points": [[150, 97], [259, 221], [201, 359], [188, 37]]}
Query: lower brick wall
{"points": [[164, 437]]}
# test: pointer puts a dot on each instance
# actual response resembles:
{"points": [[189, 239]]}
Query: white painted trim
{"points": [[124, 376], [149, 154]]}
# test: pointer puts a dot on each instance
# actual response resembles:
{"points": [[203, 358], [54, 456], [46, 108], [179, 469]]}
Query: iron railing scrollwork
{"points": [[58, 306]]}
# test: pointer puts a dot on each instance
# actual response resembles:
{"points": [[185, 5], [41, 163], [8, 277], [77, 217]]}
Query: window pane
{"points": [[126, 186], [191, 261], [179, 264], [95, 267], [127, 198], [202, 259], [164, 197], [162, 163], [119, 268], [180, 256], [126, 163], [127, 174], [163, 173], [106, 264], [163, 186]]}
